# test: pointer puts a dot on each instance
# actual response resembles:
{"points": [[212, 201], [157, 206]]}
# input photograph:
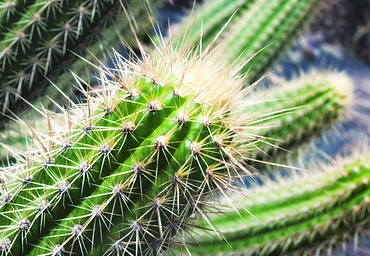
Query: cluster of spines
{"points": [[290, 219], [127, 171], [295, 111], [34, 45], [41, 39]]}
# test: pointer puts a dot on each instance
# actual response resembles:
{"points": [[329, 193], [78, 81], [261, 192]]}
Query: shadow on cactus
{"points": [[130, 170]]}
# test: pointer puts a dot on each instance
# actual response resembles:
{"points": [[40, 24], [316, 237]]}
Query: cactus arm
{"points": [[295, 111], [292, 113], [207, 20], [270, 24], [300, 217], [39, 39]]}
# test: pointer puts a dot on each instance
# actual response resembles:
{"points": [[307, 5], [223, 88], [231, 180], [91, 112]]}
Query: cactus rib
{"points": [[271, 24]]}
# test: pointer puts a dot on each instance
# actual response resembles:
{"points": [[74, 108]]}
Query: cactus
{"points": [[297, 110], [40, 39], [297, 217], [129, 171], [287, 116], [208, 19], [259, 32], [137, 167], [213, 15], [271, 24]]}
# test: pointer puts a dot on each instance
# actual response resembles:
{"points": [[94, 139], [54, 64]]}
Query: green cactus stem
{"points": [[297, 217], [129, 171], [11, 12], [289, 114], [40, 39], [271, 25], [297, 110], [208, 19]]}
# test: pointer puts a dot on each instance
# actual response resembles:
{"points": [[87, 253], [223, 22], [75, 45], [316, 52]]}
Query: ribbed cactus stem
{"points": [[291, 113], [295, 217], [295, 111], [130, 170], [259, 26], [208, 19], [42, 39], [10, 12], [267, 25]]}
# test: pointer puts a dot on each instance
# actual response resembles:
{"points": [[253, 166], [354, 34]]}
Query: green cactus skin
{"points": [[43, 38], [309, 214], [297, 110], [208, 19], [130, 170], [271, 25]]}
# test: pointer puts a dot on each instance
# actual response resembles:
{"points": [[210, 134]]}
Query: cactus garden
{"points": [[183, 143]]}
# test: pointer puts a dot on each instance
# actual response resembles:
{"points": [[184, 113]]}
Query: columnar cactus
{"points": [[206, 21], [297, 110], [130, 170], [40, 39], [260, 30], [307, 214], [137, 166], [208, 18]]}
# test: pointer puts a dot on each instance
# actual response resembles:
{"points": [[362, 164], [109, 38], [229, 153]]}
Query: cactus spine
{"points": [[127, 172], [41, 39], [139, 160], [291, 113], [208, 20]]}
